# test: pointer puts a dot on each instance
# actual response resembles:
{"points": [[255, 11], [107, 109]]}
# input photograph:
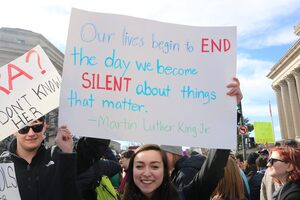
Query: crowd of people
{"points": [[154, 172]]}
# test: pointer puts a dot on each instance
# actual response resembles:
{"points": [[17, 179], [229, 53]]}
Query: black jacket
{"points": [[92, 166], [50, 176], [185, 170], [90, 177], [290, 191], [255, 184], [206, 180]]}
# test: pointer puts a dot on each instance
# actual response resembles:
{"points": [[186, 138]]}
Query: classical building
{"points": [[285, 75], [15, 42]]}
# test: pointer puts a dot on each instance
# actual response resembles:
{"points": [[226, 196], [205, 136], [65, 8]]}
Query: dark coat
{"points": [[255, 184], [185, 170], [206, 180], [50, 176], [290, 191], [95, 159]]}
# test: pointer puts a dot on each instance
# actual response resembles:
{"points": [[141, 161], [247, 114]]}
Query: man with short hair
{"points": [[43, 174]]}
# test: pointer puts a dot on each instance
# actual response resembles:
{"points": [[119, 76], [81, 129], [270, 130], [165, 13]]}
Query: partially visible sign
{"points": [[8, 182], [264, 133], [29, 89]]}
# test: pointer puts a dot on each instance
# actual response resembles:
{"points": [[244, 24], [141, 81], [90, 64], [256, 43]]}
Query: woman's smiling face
{"points": [[148, 171]]}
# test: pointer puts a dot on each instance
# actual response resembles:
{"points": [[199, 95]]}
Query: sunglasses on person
{"points": [[273, 160], [36, 128]]}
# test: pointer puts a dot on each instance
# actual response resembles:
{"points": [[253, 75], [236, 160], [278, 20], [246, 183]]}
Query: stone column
{"points": [[294, 103], [287, 109], [296, 73], [282, 120]]}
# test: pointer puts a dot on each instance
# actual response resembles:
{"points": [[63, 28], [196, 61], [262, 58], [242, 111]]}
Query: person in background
{"points": [[95, 159], [182, 168], [124, 162], [231, 186], [256, 180], [277, 144], [264, 153], [250, 167], [240, 161], [268, 186], [116, 179], [48, 174], [290, 142], [284, 168]]}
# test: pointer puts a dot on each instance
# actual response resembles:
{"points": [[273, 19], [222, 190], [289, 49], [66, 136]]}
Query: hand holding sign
{"points": [[64, 139], [235, 90]]}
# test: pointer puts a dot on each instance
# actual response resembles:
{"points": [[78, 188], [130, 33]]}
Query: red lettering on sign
{"points": [[12, 77], [214, 45], [105, 82]]}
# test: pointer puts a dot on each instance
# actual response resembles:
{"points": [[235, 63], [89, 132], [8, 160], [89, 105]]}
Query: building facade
{"points": [[14, 43], [285, 75]]}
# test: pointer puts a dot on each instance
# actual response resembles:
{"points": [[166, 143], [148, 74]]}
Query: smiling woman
{"points": [[148, 176]]}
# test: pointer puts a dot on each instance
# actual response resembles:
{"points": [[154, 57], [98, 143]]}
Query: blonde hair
{"points": [[231, 185]]}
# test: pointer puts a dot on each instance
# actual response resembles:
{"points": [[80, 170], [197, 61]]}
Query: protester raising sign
{"points": [[133, 79], [264, 133], [29, 89]]}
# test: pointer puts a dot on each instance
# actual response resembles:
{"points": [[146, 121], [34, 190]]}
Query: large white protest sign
{"points": [[29, 89], [132, 79], [8, 182]]}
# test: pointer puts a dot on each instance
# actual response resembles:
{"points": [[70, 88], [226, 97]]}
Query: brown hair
{"points": [[231, 186], [165, 191]]}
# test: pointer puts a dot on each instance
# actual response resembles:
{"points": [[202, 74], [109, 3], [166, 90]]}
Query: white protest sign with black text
{"points": [[29, 89], [132, 79], [8, 182]]}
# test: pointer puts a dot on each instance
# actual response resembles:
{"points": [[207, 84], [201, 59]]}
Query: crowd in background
{"points": [[89, 170]]}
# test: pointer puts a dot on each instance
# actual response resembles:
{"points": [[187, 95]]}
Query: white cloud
{"points": [[253, 18], [254, 83], [281, 36]]}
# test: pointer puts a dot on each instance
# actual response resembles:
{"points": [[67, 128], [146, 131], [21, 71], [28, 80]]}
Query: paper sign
{"points": [[29, 89], [134, 79], [8, 182], [263, 133]]}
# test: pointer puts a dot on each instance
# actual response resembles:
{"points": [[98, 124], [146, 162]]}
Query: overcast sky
{"points": [[265, 32]]}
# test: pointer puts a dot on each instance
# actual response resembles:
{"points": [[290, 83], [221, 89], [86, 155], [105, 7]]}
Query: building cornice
{"points": [[284, 61], [297, 29]]}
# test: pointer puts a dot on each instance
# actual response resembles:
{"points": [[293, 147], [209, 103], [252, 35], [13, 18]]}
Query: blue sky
{"points": [[265, 32]]}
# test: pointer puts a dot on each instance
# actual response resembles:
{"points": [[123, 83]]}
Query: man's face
{"points": [[30, 138]]}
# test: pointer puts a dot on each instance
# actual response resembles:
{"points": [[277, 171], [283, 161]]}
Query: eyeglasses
{"points": [[36, 128], [273, 160]]}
